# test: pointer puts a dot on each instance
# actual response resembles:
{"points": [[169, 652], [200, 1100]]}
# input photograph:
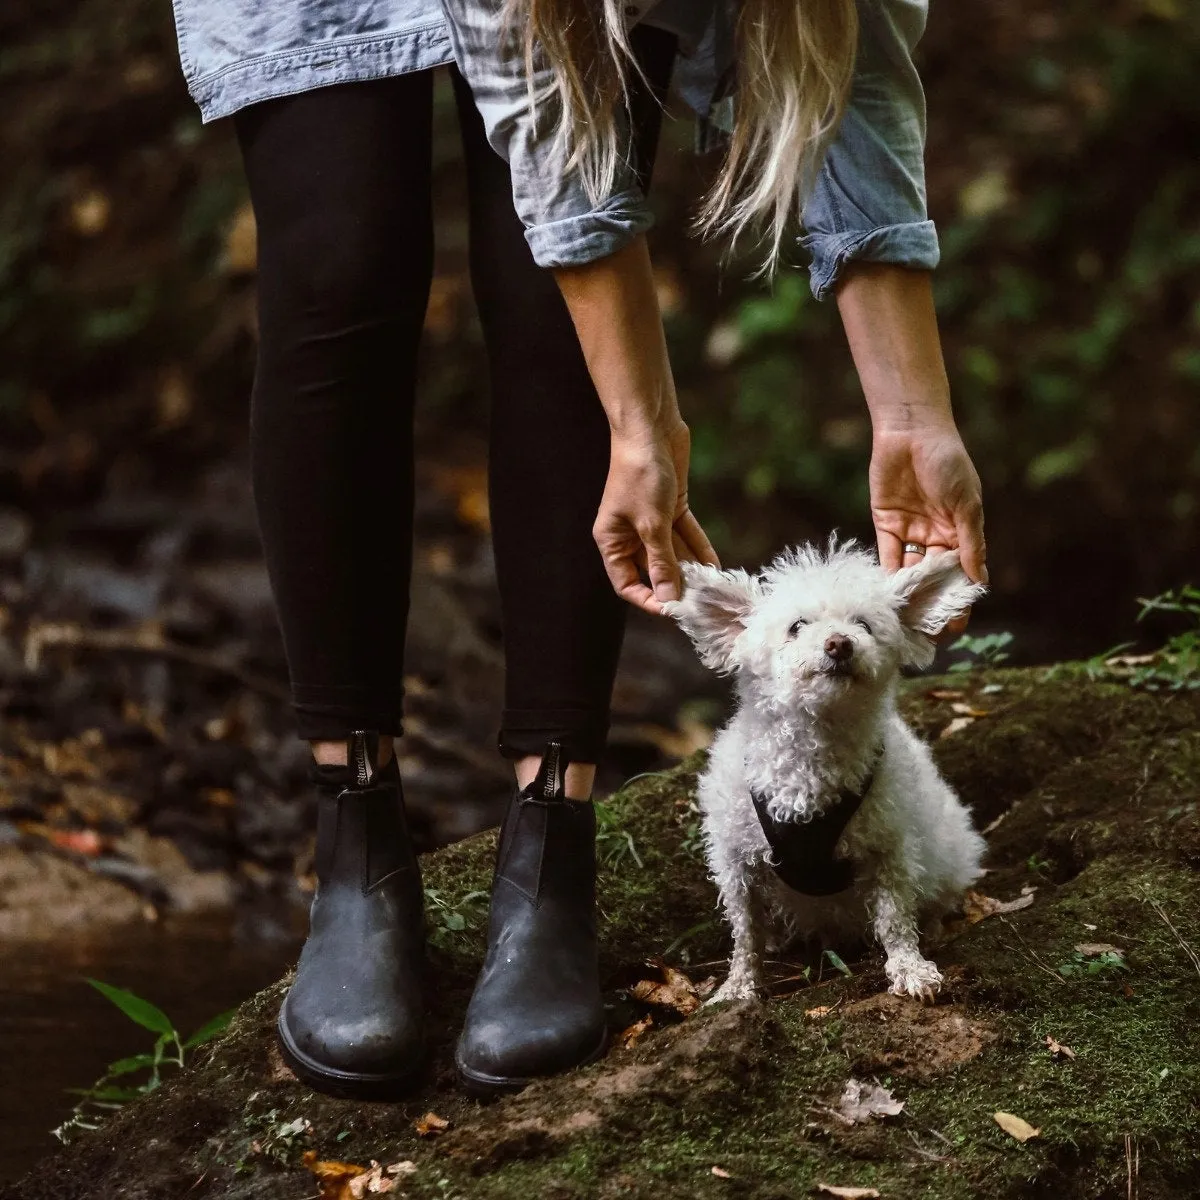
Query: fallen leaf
{"points": [[430, 1125], [401, 1169], [721, 1173], [977, 906], [1056, 1048], [847, 1193], [992, 826], [862, 1101], [334, 1178], [965, 710], [1095, 949], [78, 841], [956, 726], [674, 990], [815, 1014], [946, 694], [1015, 1126], [372, 1182], [632, 1033]]}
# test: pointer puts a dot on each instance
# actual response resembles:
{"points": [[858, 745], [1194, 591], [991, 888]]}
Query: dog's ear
{"points": [[929, 595], [713, 611]]}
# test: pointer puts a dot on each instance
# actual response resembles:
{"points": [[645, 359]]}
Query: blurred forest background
{"points": [[1063, 173], [146, 760]]}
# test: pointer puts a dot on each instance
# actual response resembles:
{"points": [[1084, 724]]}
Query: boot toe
{"points": [[384, 1046], [513, 1052]]}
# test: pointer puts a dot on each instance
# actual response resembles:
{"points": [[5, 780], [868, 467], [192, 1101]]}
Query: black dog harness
{"points": [[804, 850]]}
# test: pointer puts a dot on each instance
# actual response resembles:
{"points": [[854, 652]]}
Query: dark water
{"points": [[56, 1032]]}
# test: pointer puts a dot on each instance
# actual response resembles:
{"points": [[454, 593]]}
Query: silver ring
{"points": [[913, 548]]}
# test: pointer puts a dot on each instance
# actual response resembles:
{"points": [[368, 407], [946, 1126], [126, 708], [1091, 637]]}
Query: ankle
{"points": [[577, 783], [336, 754]]}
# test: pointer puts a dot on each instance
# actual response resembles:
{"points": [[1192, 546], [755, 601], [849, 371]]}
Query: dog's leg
{"points": [[745, 916], [894, 906]]}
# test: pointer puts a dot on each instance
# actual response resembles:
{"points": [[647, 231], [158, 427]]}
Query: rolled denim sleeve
{"points": [[562, 226], [868, 202]]}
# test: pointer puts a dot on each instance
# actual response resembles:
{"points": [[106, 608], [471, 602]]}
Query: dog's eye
{"points": [[794, 627], [864, 624]]}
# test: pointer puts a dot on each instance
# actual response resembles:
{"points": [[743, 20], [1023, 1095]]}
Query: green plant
{"points": [[454, 917], [613, 842], [1177, 666], [1080, 966], [170, 1050], [989, 650]]}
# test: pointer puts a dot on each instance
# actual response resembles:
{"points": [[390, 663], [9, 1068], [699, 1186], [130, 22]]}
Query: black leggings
{"points": [[340, 181]]}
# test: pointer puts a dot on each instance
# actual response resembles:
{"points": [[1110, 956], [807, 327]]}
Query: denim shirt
{"points": [[868, 201]]}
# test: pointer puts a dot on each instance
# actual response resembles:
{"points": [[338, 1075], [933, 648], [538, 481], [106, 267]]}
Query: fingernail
{"points": [[666, 591]]}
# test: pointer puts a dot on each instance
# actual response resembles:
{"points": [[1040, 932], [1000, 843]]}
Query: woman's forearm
{"points": [[615, 310], [888, 314]]}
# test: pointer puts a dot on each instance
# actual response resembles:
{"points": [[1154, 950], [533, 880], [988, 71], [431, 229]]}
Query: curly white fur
{"points": [[807, 727]]}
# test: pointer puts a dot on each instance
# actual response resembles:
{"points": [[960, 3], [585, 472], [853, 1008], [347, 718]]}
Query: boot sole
{"points": [[481, 1086], [346, 1085]]}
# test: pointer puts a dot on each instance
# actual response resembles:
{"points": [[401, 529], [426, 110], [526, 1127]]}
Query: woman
{"points": [[332, 105]]}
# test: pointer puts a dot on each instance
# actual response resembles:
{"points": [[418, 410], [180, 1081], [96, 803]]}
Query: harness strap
{"points": [[803, 851]]}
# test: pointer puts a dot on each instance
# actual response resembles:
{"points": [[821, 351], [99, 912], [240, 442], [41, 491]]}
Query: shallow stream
{"points": [[56, 1032]]}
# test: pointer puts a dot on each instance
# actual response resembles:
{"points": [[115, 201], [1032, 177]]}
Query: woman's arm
{"points": [[644, 522], [924, 488]]}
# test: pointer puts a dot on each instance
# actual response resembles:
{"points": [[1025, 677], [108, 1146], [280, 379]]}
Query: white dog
{"points": [[823, 813]]}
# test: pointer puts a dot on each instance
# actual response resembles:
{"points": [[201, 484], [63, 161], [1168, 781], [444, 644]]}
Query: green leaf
{"points": [[135, 1008], [125, 1066], [210, 1029], [836, 962]]}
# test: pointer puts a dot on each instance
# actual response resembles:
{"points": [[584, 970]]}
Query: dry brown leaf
{"points": [[430, 1125], [847, 1193], [1095, 949], [956, 726], [674, 990], [815, 1014], [721, 1173], [966, 710], [631, 1034], [373, 1182], [946, 694], [1056, 1048], [1130, 660], [401, 1169], [333, 1178], [977, 906], [862, 1101], [1015, 1126]]}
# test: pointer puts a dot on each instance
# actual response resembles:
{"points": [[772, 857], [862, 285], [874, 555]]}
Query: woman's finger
{"points": [[972, 546], [891, 550], [692, 533], [661, 564]]}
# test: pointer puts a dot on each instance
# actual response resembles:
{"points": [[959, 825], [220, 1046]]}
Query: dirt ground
{"points": [[1075, 1011]]}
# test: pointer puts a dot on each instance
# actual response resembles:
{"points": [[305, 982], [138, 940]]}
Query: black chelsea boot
{"points": [[352, 1023], [536, 1009]]}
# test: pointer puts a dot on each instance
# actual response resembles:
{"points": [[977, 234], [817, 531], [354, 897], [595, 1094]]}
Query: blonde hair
{"points": [[794, 66]]}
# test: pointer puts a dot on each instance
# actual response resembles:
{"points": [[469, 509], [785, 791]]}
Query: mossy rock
{"points": [[1090, 792]]}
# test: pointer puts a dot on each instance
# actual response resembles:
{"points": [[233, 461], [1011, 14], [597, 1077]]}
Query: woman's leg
{"points": [[340, 181], [537, 1007], [548, 462]]}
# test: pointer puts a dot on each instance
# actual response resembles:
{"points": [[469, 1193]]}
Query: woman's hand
{"points": [[924, 489], [644, 527]]}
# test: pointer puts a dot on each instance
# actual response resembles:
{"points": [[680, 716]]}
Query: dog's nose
{"points": [[839, 647]]}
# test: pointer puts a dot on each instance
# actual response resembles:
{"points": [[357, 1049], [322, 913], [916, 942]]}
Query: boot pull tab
{"points": [[362, 753], [550, 781]]}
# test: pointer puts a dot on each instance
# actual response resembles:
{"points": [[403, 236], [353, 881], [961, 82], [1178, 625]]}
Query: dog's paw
{"points": [[735, 988], [917, 977]]}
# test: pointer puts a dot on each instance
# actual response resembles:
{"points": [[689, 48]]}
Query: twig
{"points": [[929, 1154], [1028, 953], [143, 641], [1132, 1165], [1158, 908]]}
